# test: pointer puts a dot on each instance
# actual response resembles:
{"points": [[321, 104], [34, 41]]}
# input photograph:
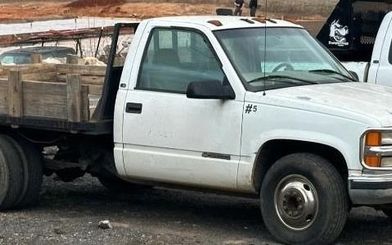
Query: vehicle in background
{"points": [[351, 29], [358, 33], [378, 69], [24, 55]]}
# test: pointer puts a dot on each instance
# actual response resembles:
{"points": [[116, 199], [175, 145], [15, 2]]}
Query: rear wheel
{"points": [[304, 200], [11, 174], [33, 172]]}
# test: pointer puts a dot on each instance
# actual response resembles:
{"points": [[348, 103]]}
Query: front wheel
{"points": [[304, 200]]}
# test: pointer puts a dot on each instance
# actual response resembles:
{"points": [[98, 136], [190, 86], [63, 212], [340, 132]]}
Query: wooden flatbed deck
{"points": [[52, 97]]}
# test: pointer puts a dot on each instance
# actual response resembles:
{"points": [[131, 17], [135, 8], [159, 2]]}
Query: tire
{"points": [[387, 210], [11, 174], [33, 173], [118, 186], [304, 200]]}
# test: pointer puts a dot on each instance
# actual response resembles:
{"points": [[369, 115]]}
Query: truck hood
{"points": [[366, 103]]}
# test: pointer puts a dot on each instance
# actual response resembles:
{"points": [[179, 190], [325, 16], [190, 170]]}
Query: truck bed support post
{"points": [[15, 94], [74, 101], [36, 58]]}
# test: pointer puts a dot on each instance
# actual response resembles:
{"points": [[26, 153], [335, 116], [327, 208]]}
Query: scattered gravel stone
{"points": [[158, 216], [58, 231], [105, 224]]}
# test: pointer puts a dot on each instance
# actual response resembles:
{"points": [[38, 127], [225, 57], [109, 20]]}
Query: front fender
{"points": [[278, 123]]}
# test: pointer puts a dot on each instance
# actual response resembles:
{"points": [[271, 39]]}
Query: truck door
{"points": [[169, 137], [380, 70]]}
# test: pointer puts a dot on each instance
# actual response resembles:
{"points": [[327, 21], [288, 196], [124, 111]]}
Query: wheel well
{"points": [[273, 150]]}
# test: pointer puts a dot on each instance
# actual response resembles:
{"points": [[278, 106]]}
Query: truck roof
{"points": [[226, 22], [40, 50]]}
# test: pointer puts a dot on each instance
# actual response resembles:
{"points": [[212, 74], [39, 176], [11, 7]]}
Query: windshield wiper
{"points": [[294, 80], [329, 71]]}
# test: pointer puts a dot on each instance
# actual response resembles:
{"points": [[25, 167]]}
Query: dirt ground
{"points": [[69, 213], [50, 10], [28, 11]]}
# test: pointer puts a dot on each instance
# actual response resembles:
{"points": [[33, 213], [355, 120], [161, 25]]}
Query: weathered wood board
{"points": [[3, 96], [38, 72], [67, 92], [45, 99], [81, 69], [84, 79]]}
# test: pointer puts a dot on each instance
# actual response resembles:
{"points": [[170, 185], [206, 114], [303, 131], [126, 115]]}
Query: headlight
{"points": [[377, 149], [386, 138]]}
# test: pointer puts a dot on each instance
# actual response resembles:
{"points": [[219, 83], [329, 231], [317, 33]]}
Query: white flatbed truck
{"points": [[239, 105]]}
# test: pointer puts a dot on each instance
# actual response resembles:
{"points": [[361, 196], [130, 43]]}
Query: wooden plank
{"points": [[85, 79], [95, 89], [93, 103], [41, 76], [85, 103], [4, 96], [41, 72], [45, 99], [74, 101], [15, 94], [30, 68], [36, 58], [81, 69]]}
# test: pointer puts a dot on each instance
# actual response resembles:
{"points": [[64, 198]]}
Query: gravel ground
{"points": [[69, 213]]}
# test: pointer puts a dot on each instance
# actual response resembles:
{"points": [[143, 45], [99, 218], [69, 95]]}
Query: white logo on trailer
{"points": [[337, 34]]}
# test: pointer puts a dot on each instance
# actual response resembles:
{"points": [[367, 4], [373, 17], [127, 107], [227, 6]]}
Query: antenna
{"points": [[266, 9], [265, 45]]}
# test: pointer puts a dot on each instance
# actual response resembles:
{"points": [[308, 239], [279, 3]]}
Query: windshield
{"points": [[292, 58], [15, 59]]}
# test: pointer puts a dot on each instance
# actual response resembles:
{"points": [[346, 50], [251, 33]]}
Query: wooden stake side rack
{"points": [[64, 95]]}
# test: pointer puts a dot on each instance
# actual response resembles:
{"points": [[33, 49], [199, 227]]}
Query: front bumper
{"points": [[371, 189]]}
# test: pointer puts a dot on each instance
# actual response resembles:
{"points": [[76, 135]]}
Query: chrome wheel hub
{"points": [[296, 202]]}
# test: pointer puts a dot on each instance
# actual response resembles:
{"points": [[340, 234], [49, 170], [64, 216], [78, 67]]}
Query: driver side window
{"points": [[175, 57]]}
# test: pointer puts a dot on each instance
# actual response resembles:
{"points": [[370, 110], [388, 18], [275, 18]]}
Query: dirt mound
{"points": [[92, 3]]}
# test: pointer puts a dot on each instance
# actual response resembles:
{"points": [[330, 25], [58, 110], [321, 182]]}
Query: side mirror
{"points": [[355, 75], [212, 89]]}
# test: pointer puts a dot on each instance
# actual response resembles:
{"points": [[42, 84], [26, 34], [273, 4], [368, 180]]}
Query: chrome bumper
{"points": [[371, 189]]}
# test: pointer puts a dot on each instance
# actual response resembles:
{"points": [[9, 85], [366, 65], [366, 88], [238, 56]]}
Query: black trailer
{"points": [[351, 29]]}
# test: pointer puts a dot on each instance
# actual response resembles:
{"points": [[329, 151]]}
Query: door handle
{"points": [[134, 108]]}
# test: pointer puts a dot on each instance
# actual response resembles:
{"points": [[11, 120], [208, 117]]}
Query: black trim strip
{"points": [[216, 155], [370, 185]]}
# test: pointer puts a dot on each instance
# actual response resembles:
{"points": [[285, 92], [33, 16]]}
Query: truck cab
{"points": [[253, 106]]}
